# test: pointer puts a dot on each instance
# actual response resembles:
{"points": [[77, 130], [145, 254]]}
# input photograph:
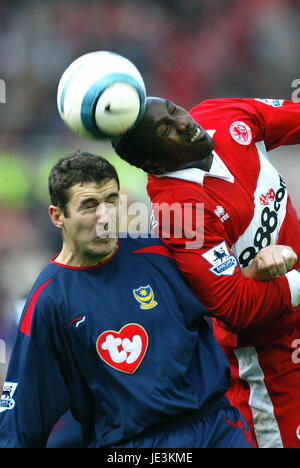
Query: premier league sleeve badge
{"points": [[7, 402], [222, 261]]}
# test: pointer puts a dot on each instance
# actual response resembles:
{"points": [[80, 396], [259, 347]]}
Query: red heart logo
{"points": [[123, 350]]}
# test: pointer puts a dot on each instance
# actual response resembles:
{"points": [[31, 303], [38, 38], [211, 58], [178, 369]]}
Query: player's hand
{"points": [[271, 262]]}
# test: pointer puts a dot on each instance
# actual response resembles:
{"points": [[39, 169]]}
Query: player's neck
{"points": [[203, 164]]}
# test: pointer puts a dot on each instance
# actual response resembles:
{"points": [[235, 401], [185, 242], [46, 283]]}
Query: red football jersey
{"points": [[245, 207]]}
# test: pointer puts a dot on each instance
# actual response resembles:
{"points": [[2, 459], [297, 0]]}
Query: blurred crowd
{"points": [[187, 50]]}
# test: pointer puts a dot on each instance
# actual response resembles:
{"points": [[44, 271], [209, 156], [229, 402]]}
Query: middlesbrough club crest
{"points": [[241, 132]]}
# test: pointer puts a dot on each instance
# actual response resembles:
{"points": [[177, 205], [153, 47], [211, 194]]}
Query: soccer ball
{"points": [[101, 95]]}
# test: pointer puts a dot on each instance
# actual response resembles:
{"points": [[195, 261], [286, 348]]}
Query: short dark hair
{"points": [[136, 148], [75, 168]]}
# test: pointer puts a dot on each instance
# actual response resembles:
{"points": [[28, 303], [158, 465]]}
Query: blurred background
{"points": [[186, 50]]}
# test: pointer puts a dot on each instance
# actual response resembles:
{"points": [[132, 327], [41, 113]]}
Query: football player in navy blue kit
{"points": [[112, 332]]}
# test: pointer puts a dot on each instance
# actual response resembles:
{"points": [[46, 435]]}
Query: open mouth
{"points": [[197, 134]]}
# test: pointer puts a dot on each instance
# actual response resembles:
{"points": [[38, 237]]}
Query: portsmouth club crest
{"points": [[222, 261], [145, 296]]}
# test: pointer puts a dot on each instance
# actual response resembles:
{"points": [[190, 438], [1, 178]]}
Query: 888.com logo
{"points": [[268, 224]]}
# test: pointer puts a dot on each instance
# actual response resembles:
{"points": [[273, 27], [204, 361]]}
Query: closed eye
{"points": [[171, 107], [113, 199], [88, 204], [164, 126], [164, 129]]}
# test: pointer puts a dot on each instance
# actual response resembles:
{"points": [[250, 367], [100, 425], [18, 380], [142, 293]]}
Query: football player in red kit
{"points": [[215, 157]]}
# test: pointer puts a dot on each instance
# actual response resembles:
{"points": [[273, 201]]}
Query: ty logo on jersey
{"points": [[124, 350], [223, 263]]}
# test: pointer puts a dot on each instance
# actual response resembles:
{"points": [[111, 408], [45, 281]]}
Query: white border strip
{"points": [[265, 424]]}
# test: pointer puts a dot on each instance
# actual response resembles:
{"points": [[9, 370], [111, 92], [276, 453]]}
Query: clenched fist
{"points": [[271, 262]]}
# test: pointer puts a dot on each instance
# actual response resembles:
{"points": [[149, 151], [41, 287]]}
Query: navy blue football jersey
{"points": [[124, 344]]}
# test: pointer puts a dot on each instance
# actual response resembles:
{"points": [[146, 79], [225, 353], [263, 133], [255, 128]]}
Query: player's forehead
{"points": [[97, 190], [156, 111], [156, 107]]}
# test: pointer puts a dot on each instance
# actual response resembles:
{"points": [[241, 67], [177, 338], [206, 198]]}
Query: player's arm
{"points": [[276, 122], [216, 279], [35, 394]]}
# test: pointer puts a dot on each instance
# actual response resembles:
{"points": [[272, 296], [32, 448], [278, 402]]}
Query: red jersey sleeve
{"points": [[277, 121], [203, 255]]}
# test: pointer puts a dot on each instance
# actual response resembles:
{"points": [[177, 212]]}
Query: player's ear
{"points": [[56, 216]]}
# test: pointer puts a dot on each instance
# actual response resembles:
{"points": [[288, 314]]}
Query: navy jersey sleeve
{"points": [[34, 394]]}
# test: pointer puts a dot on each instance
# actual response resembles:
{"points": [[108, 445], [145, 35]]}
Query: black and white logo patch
{"points": [[223, 263], [7, 402]]}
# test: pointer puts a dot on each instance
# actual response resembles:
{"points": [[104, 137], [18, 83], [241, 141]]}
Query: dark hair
{"points": [[78, 167], [136, 148]]}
